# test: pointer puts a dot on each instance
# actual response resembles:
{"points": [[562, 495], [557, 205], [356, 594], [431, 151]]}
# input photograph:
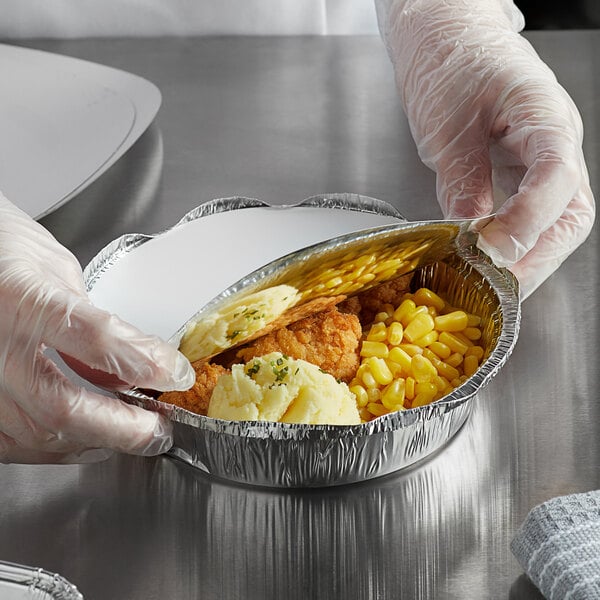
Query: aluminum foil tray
{"points": [[442, 255], [19, 582]]}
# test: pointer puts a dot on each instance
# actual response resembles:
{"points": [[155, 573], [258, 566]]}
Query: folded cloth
{"points": [[558, 546]]}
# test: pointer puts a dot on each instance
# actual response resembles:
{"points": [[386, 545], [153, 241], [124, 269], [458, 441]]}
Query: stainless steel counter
{"points": [[282, 119]]}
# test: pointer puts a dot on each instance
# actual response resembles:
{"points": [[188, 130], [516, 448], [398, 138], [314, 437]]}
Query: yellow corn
{"points": [[380, 371], [475, 351], [440, 349], [454, 359], [377, 333], [404, 310], [411, 349], [470, 365], [370, 348], [473, 320], [395, 333], [361, 395], [369, 380], [419, 326], [415, 354], [422, 399], [454, 343], [472, 333], [422, 369], [399, 356], [393, 395], [428, 298], [374, 394], [454, 321], [377, 409], [427, 339]]}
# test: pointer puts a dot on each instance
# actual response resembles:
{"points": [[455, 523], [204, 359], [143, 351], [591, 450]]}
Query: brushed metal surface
{"points": [[283, 119]]}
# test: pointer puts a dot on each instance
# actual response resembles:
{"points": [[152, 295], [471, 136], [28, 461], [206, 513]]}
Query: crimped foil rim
{"points": [[502, 282], [38, 580]]}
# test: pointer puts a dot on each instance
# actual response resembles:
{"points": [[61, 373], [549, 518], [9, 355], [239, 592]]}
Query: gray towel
{"points": [[558, 547]]}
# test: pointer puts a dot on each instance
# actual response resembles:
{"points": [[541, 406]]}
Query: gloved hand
{"points": [[483, 107], [44, 416]]}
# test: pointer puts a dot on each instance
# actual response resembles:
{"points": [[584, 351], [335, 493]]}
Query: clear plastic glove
{"points": [[44, 416], [485, 110]]}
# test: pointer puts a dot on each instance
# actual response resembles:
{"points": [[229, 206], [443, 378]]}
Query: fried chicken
{"points": [[329, 339], [196, 399], [367, 304]]}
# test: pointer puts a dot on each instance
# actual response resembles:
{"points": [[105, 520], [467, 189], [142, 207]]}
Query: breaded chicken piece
{"points": [[367, 304], [329, 339], [196, 399]]}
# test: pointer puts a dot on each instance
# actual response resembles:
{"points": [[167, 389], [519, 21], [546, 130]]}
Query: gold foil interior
{"points": [[346, 266]]}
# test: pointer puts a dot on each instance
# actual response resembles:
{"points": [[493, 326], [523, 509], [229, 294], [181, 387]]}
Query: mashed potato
{"points": [[237, 322], [275, 387]]}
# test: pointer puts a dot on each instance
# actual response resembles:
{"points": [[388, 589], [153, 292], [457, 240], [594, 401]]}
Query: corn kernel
{"points": [[425, 387], [454, 321], [420, 325], [377, 333], [428, 298], [427, 339], [366, 278], [406, 308], [411, 349], [394, 367], [441, 383], [395, 333], [365, 415], [388, 308], [377, 409], [369, 380], [380, 370], [463, 338], [361, 395], [472, 333], [476, 351], [365, 259], [381, 317], [446, 370], [422, 369], [393, 395], [454, 343], [470, 365], [454, 360], [374, 394], [422, 399], [378, 349], [409, 388], [334, 282], [440, 349], [399, 356], [473, 320]]}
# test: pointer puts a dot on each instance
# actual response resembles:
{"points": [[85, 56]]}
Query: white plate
{"points": [[158, 284], [63, 122]]}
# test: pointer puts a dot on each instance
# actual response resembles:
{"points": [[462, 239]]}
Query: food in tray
{"points": [[276, 387], [335, 360], [239, 321]]}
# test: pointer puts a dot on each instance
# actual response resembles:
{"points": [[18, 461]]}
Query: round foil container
{"points": [[20, 582], [294, 455]]}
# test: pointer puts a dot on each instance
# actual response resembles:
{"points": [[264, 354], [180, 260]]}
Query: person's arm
{"points": [[483, 108], [44, 416]]}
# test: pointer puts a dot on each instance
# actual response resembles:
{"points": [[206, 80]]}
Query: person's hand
{"points": [[44, 415], [484, 109]]}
